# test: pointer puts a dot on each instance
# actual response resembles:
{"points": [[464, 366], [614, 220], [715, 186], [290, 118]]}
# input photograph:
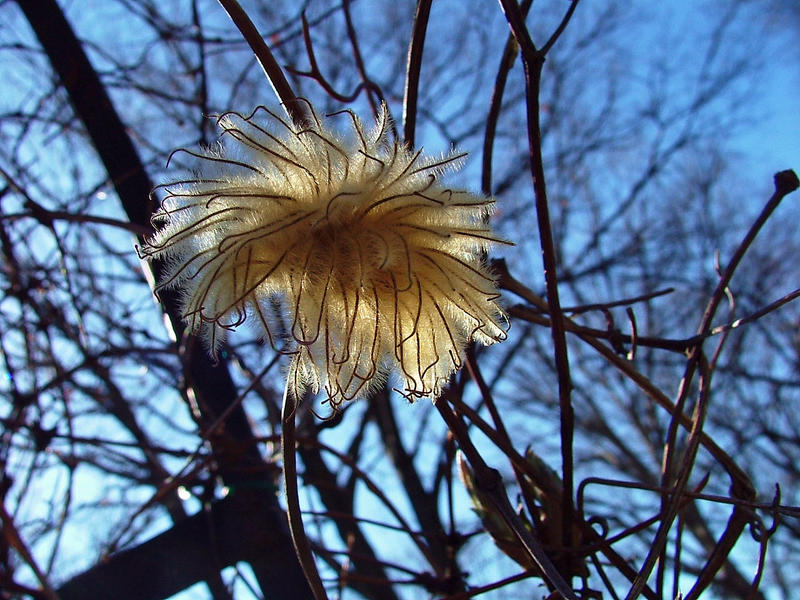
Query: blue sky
{"points": [[775, 143]]}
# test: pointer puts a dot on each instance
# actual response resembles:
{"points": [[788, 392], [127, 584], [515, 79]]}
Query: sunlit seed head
{"points": [[377, 265]]}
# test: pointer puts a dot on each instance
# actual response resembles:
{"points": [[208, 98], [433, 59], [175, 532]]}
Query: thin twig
{"points": [[368, 84], [561, 27], [296, 528], [295, 109], [510, 53], [500, 429], [314, 70], [413, 69], [315, 73], [786, 182], [373, 488], [575, 310], [495, 585], [533, 61]]}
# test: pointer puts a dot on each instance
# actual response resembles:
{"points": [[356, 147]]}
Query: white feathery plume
{"points": [[378, 265]]}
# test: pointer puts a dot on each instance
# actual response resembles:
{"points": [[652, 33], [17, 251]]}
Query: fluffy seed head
{"points": [[375, 263]]}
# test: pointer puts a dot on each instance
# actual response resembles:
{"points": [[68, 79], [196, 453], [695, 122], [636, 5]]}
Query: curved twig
{"points": [[301, 545]]}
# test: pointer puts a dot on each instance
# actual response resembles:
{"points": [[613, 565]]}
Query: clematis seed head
{"points": [[376, 265]]}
